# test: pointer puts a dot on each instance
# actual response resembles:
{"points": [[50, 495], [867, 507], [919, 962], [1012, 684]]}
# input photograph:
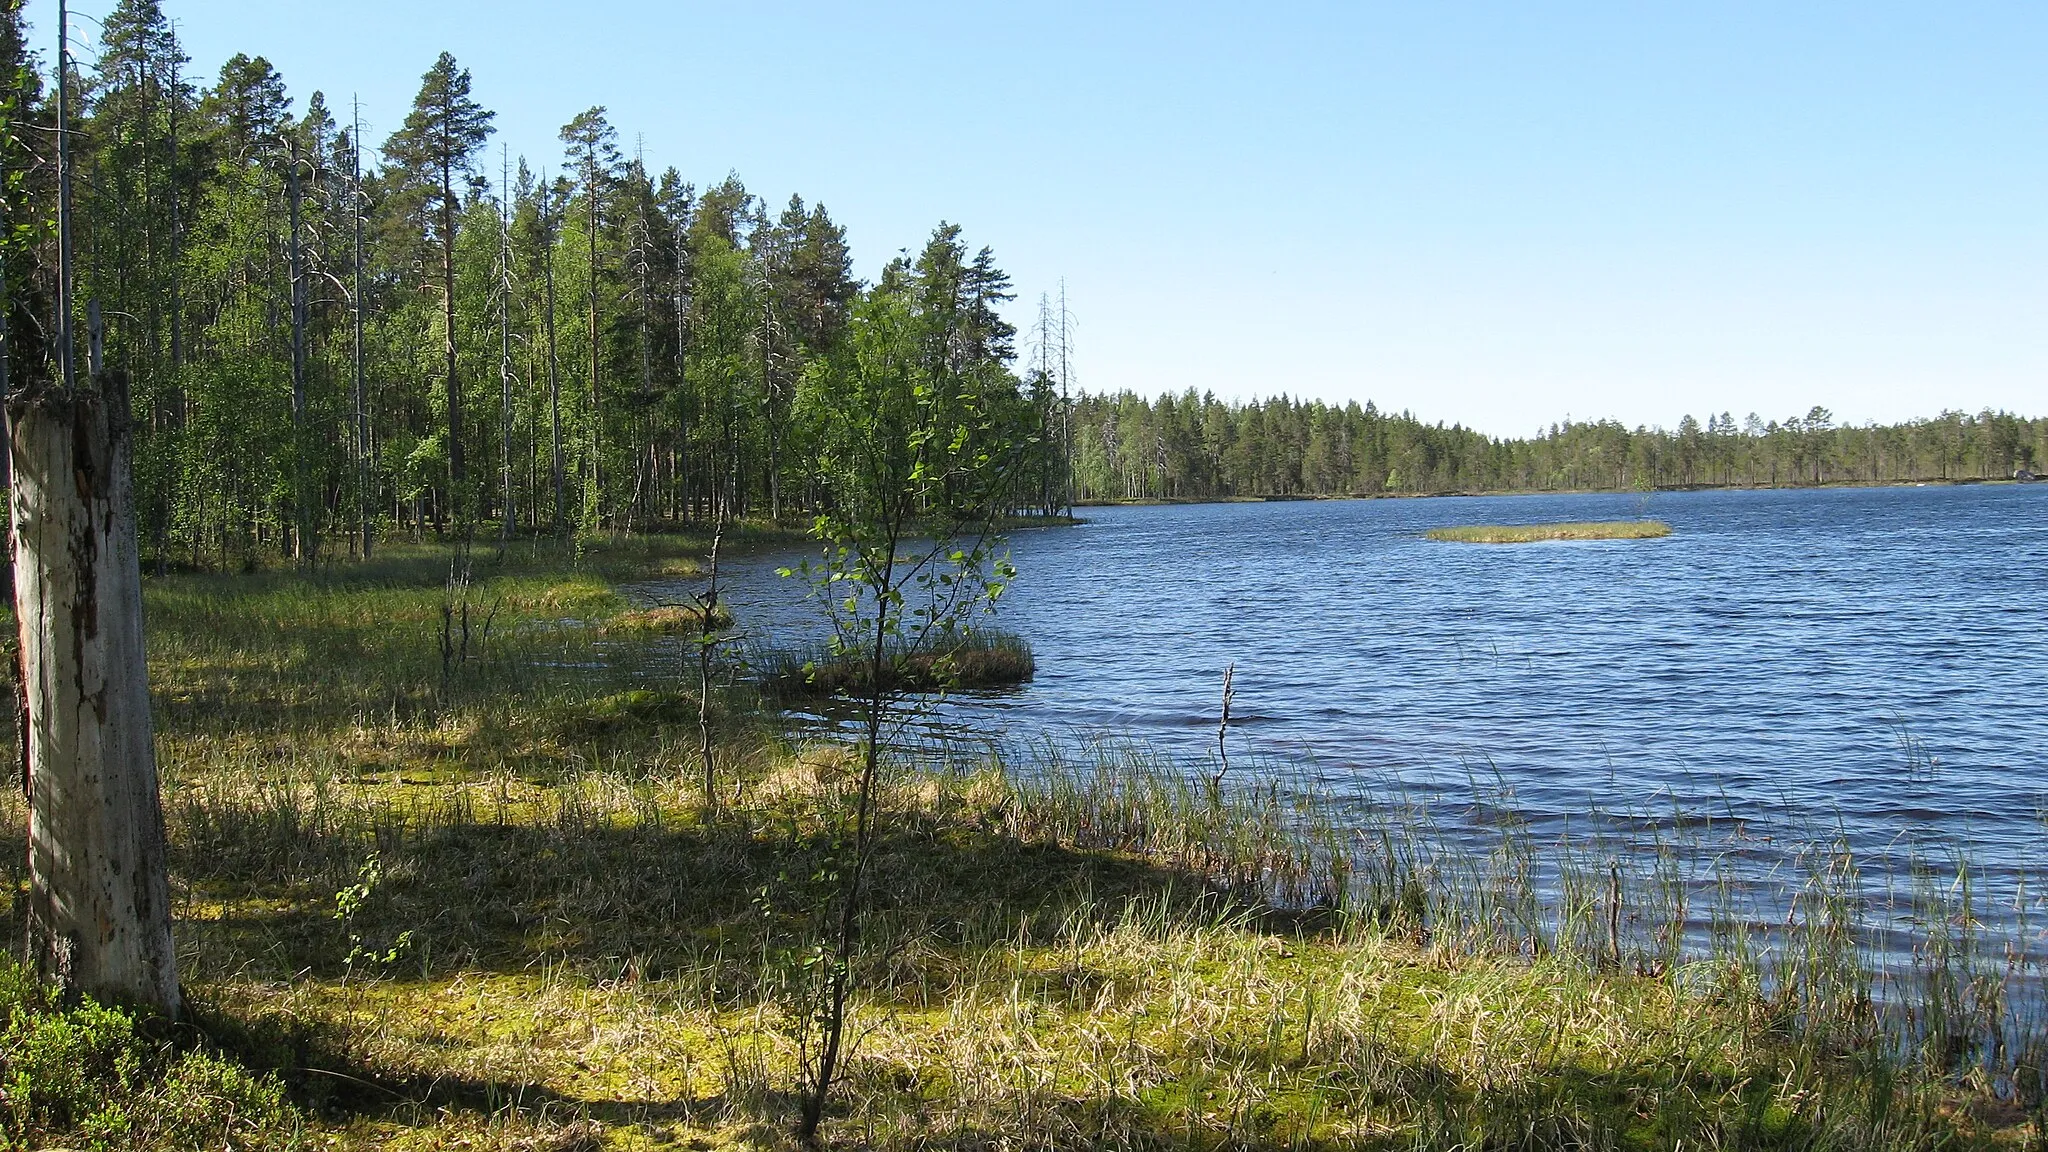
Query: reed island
{"points": [[1535, 533]]}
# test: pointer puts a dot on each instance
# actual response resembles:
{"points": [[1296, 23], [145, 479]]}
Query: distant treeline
{"points": [[1197, 447]]}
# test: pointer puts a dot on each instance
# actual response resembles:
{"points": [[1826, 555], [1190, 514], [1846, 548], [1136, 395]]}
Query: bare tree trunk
{"points": [[305, 545], [773, 414], [707, 653], [505, 350], [554, 378], [99, 916], [362, 421], [458, 493], [590, 299]]}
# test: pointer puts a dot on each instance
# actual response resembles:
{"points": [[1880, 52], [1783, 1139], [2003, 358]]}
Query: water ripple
{"points": [[1870, 663]]}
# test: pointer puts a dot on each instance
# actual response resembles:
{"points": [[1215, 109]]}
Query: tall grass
{"points": [[1055, 928], [1901, 962]]}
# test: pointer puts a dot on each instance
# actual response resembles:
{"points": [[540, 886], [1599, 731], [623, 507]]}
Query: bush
{"points": [[85, 1073]]}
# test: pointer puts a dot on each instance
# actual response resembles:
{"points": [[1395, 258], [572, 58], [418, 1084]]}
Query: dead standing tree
{"points": [[99, 912]]}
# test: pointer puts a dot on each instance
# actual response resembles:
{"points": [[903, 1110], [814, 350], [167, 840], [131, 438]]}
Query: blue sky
{"points": [[1495, 214]]}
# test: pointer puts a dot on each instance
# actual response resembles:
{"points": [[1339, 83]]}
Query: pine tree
{"points": [[24, 179], [438, 142], [594, 154]]}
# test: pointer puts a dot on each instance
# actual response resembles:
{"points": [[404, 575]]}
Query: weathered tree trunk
{"points": [[99, 916]]}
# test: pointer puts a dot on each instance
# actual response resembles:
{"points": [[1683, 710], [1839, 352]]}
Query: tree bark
{"points": [[99, 915], [305, 546], [457, 473], [554, 361], [596, 417]]}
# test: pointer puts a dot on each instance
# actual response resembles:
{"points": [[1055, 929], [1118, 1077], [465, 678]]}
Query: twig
{"points": [[1223, 730]]}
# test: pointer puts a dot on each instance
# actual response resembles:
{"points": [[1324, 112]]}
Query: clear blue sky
{"points": [[1498, 214]]}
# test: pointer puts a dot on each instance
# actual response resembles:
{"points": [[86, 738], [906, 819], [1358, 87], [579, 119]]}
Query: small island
{"points": [[982, 658], [1530, 533]]}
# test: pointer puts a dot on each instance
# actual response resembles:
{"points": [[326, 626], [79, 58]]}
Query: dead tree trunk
{"points": [[99, 915]]}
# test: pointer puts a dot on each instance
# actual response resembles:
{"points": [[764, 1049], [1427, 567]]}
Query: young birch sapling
{"points": [[905, 417]]}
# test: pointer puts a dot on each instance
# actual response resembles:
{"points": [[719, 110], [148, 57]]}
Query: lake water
{"points": [[1869, 663]]}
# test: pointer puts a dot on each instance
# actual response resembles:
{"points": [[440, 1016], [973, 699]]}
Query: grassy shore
{"points": [[1532, 533], [477, 900]]}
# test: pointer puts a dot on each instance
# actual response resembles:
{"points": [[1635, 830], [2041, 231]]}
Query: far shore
{"points": [[1164, 501]]}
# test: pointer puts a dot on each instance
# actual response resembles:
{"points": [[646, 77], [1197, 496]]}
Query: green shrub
{"points": [[205, 1101], [68, 1070], [85, 1074]]}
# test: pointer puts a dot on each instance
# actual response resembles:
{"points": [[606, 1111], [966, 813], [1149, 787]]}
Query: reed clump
{"points": [[1534, 533], [550, 941], [973, 659]]}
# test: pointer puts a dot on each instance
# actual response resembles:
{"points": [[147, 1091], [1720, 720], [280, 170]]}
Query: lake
{"points": [[1796, 665]]}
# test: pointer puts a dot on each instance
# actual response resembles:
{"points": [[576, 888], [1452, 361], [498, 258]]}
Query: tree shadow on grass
{"points": [[720, 910], [599, 890]]}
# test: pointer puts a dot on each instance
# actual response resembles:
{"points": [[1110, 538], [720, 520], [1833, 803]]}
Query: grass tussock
{"points": [[1534, 533], [668, 620], [468, 923], [977, 659]]}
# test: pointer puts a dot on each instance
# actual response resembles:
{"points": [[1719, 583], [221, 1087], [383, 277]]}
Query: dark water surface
{"points": [[1869, 663]]}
